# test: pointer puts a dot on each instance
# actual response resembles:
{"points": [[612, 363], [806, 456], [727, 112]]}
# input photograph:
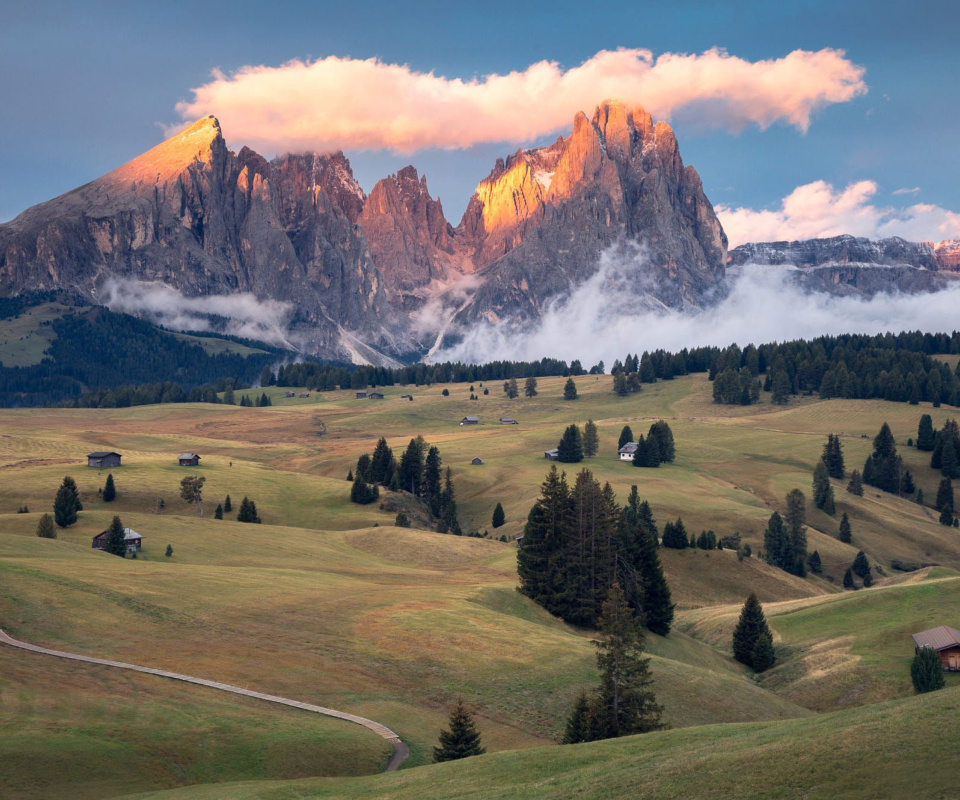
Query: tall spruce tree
{"points": [[540, 552], [570, 448], [626, 435], [846, 533], [462, 739], [432, 486], [816, 566], [530, 387], [248, 511], [116, 543], [71, 486], [625, 703], [579, 726], [570, 390], [777, 545], [410, 472], [763, 655], [65, 506], [833, 457], [591, 440], [109, 489], [675, 535], [750, 627], [861, 566], [499, 518], [822, 489], [660, 433], [656, 603], [848, 580], [796, 518], [855, 486], [381, 464], [925, 434], [944, 494]]}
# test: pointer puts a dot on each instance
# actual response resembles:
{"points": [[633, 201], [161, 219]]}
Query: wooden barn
{"points": [[133, 539], [552, 455], [189, 459], [361, 395], [100, 459], [470, 421], [289, 394], [375, 396], [477, 461], [946, 641]]}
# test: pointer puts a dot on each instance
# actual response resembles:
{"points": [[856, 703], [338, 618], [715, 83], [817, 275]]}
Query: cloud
{"points": [[234, 314], [344, 103], [817, 210], [599, 322], [914, 190]]}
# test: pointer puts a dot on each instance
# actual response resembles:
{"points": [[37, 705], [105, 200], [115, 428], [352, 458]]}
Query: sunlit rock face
{"points": [[848, 265]]}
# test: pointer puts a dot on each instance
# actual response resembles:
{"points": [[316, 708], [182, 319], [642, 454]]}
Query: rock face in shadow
{"points": [[847, 265]]}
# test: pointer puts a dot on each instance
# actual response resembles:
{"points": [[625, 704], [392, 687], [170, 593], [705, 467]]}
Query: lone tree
{"points": [[248, 511], [45, 528], [846, 534], [191, 490], [530, 387], [579, 723], [402, 520], [227, 505], [570, 390], [591, 440], [926, 671], [65, 504], [218, 512], [498, 516], [169, 551], [751, 626], [462, 739], [848, 580], [626, 435], [511, 388], [855, 486], [570, 449], [861, 568], [625, 703], [109, 489], [816, 565], [822, 489], [116, 542], [925, 434]]}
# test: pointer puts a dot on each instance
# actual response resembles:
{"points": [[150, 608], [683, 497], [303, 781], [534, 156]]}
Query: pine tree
{"points": [[661, 433], [570, 449], [926, 671], [65, 506], [848, 580], [360, 493], [626, 435], [620, 386], [570, 390], [925, 434], [796, 518], [538, 552], [169, 551], [410, 471], [380, 464], [763, 654], [833, 457], [461, 740], [432, 488], [750, 627], [861, 566], [530, 387], [511, 388], [884, 445], [71, 486], [816, 566], [191, 490], [498, 516], [855, 486], [944, 494], [401, 520], [846, 534], [625, 703], [919, 497], [109, 489], [777, 544], [248, 511], [218, 512], [116, 543], [675, 535], [950, 456], [655, 599], [227, 505], [822, 489], [781, 388], [579, 723], [946, 515], [591, 440], [45, 528]]}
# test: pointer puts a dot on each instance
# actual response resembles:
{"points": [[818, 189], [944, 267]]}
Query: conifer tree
{"points": [[410, 471], [511, 389], [191, 490], [591, 440], [946, 515], [530, 387], [248, 511], [763, 655], [109, 489], [926, 671], [925, 434], [855, 487], [45, 527], [846, 534], [919, 497], [538, 563], [816, 566], [848, 580], [620, 386], [625, 703], [777, 546], [228, 506], [71, 486], [861, 566], [570, 448], [65, 506], [169, 551], [833, 457], [822, 489], [796, 518], [401, 520], [432, 487], [461, 740], [655, 599], [944, 494], [381, 464], [218, 512], [360, 493], [626, 435], [660, 432], [570, 390], [499, 518], [116, 543], [781, 388], [675, 535], [750, 627], [579, 723]]}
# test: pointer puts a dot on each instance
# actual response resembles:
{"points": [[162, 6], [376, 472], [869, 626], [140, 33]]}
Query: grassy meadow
{"points": [[328, 603]]}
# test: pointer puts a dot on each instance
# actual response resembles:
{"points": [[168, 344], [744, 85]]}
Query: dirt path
{"points": [[400, 750]]}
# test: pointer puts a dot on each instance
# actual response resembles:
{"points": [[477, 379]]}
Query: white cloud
{"points": [[913, 190], [343, 103], [600, 320], [817, 210]]}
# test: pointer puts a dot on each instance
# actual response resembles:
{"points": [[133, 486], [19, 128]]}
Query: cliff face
{"points": [[848, 265]]}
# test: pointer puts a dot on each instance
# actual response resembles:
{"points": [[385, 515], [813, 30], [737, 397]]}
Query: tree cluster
{"points": [[884, 468], [785, 538], [946, 450], [578, 541], [657, 448], [248, 511]]}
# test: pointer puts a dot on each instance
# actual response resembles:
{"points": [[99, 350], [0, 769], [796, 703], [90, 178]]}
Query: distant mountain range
{"points": [[384, 277]]}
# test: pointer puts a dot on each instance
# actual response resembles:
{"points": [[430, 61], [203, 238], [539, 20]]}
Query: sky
{"points": [[802, 117]]}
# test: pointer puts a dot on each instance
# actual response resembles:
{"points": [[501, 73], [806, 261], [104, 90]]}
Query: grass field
{"points": [[328, 603]]}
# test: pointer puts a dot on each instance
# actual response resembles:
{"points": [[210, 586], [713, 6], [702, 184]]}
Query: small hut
{"points": [[626, 452], [361, 395], [289, 394], [375, 396], [188, 460], [946, 641], [103, 459], [470, 421], [477, 461], [133, 540], [552, 455]]}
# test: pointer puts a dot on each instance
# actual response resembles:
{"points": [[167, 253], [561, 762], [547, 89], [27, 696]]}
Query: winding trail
{"points": [[400, 750]]}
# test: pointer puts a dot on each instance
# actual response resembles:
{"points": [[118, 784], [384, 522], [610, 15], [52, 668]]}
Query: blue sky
{"points": [[86, 86]]}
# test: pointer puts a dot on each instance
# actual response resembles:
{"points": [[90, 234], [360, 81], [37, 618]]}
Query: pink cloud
{"points": [[343, 103], [817, 210]]}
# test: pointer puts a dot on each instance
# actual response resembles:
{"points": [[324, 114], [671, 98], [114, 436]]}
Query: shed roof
{"points": [[629, 447], [939, 638], [129, 534], [189, 455], [101, 454], [470, 419]]}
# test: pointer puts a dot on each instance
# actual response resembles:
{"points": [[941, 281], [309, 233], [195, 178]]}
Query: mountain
{"points": [[847, 265], [382, 277]]}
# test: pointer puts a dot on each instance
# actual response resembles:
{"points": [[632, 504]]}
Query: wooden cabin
{"points": [[133, 540], [188, 460], [361, 395], [552, 455], [477, 461], [946, 641], [470, 421], [304, 394], [101, 459], [375, 396], [626, 452], [508, 421], [289, 394]]}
